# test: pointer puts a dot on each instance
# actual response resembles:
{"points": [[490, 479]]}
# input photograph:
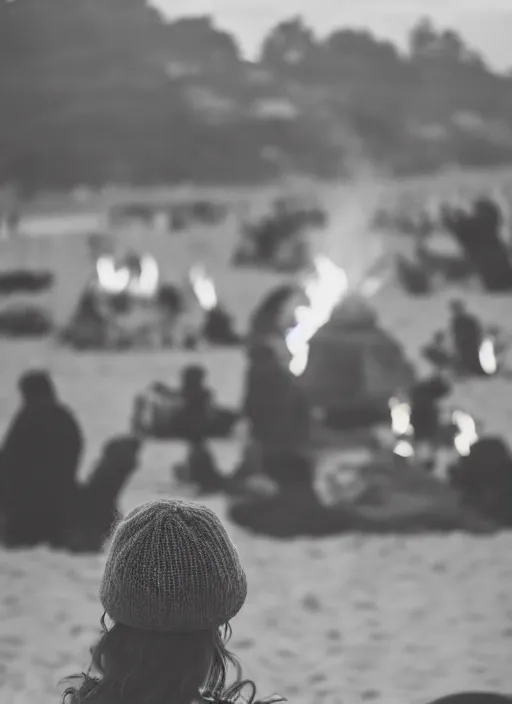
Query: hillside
{"points": [[107, 91]]}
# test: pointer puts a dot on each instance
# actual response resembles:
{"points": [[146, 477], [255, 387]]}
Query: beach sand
{"points": [[345, 619]]}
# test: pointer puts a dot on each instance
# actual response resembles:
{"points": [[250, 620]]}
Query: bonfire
{"points": [[140, 281], [461, 426], [347, 365], [324, 290], [217, 325], [487, 356], [203, 288]]}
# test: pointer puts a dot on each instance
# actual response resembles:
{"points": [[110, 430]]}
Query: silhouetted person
{"points": [[294, 510], [39, 461], [478, 232], [89, 327], [467, 337], [491, 252], [197, 403], [170, 299], [425, 412], [436, 352], [198, 417], [484, 479], [201, 469], [277, 409], [218, 328], [97, 500]]}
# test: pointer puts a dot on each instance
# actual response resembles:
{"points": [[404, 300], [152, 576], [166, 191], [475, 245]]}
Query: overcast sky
{"points": [[486, 24]]}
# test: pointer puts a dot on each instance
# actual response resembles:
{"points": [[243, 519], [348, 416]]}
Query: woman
{"points": [[172, 583]]}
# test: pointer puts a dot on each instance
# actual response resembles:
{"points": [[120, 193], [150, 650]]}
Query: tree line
{"points": [[108, 91]]}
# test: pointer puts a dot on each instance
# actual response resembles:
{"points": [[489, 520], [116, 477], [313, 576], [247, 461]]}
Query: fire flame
{"points": [[400, 417], [110, 278], [487, 356], [203, 287], [466, 434], [404, 449], [324, 289], [115, 281]]}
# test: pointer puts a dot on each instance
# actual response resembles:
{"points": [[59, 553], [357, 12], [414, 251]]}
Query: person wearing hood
{"points": [[38, 463]]}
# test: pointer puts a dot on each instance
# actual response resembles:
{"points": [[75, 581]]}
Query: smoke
{"points": [[350, 239]]}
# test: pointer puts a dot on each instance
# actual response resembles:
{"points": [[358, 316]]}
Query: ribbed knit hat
{"points": [[172, 567]]}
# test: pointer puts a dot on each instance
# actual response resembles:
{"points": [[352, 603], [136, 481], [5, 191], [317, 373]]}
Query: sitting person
{"points": [[484, 479], [197, 402], [413, 276], [467, 334], [39, 463], [188, 413], [200, 469], [172, 583], [438, 353], [96, 510], [218, 328], [425, 414], [294, 510]]}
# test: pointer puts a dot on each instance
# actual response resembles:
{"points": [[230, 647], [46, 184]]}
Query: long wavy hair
{"points": [[136, 666]]}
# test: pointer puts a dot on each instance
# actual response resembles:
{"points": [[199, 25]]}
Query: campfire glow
{"points": [[203, 287], [466, 434], [324, 290], [400, 417], [115, 280], [487, 356], [404, 449], [111, 279]]}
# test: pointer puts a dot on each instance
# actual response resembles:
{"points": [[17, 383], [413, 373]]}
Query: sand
{"points": [[345, 619]]}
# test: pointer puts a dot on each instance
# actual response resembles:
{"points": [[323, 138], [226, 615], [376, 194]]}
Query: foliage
{"points": [[100, 91]]}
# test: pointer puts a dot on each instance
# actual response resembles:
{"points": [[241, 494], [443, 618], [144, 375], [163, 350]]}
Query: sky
{"points": [[485, 24]]}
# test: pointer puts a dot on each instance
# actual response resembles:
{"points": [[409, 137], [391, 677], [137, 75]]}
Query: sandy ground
{"points": [[336, 620]]}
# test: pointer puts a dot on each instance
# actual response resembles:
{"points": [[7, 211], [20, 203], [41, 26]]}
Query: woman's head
{"points": [[172, 568], [36, 385], [172, 583]]}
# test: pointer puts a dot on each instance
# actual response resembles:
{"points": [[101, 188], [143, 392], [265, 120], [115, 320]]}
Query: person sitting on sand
{"points": [[467, 334], [425, 413], [201, 468], [293, 511], [278, 412], [172, 583], [96, 509], [197, 402], [197, 417], [39, 462], [484, 479], [437, 352]]}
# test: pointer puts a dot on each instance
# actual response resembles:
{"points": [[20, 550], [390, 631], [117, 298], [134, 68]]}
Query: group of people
{"points": [[460, 349], [41, 499], [173, 579], [275, 241], [281, 435], [478, 228]]}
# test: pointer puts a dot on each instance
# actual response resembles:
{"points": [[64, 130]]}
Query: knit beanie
{"points": [[172, 567]]}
